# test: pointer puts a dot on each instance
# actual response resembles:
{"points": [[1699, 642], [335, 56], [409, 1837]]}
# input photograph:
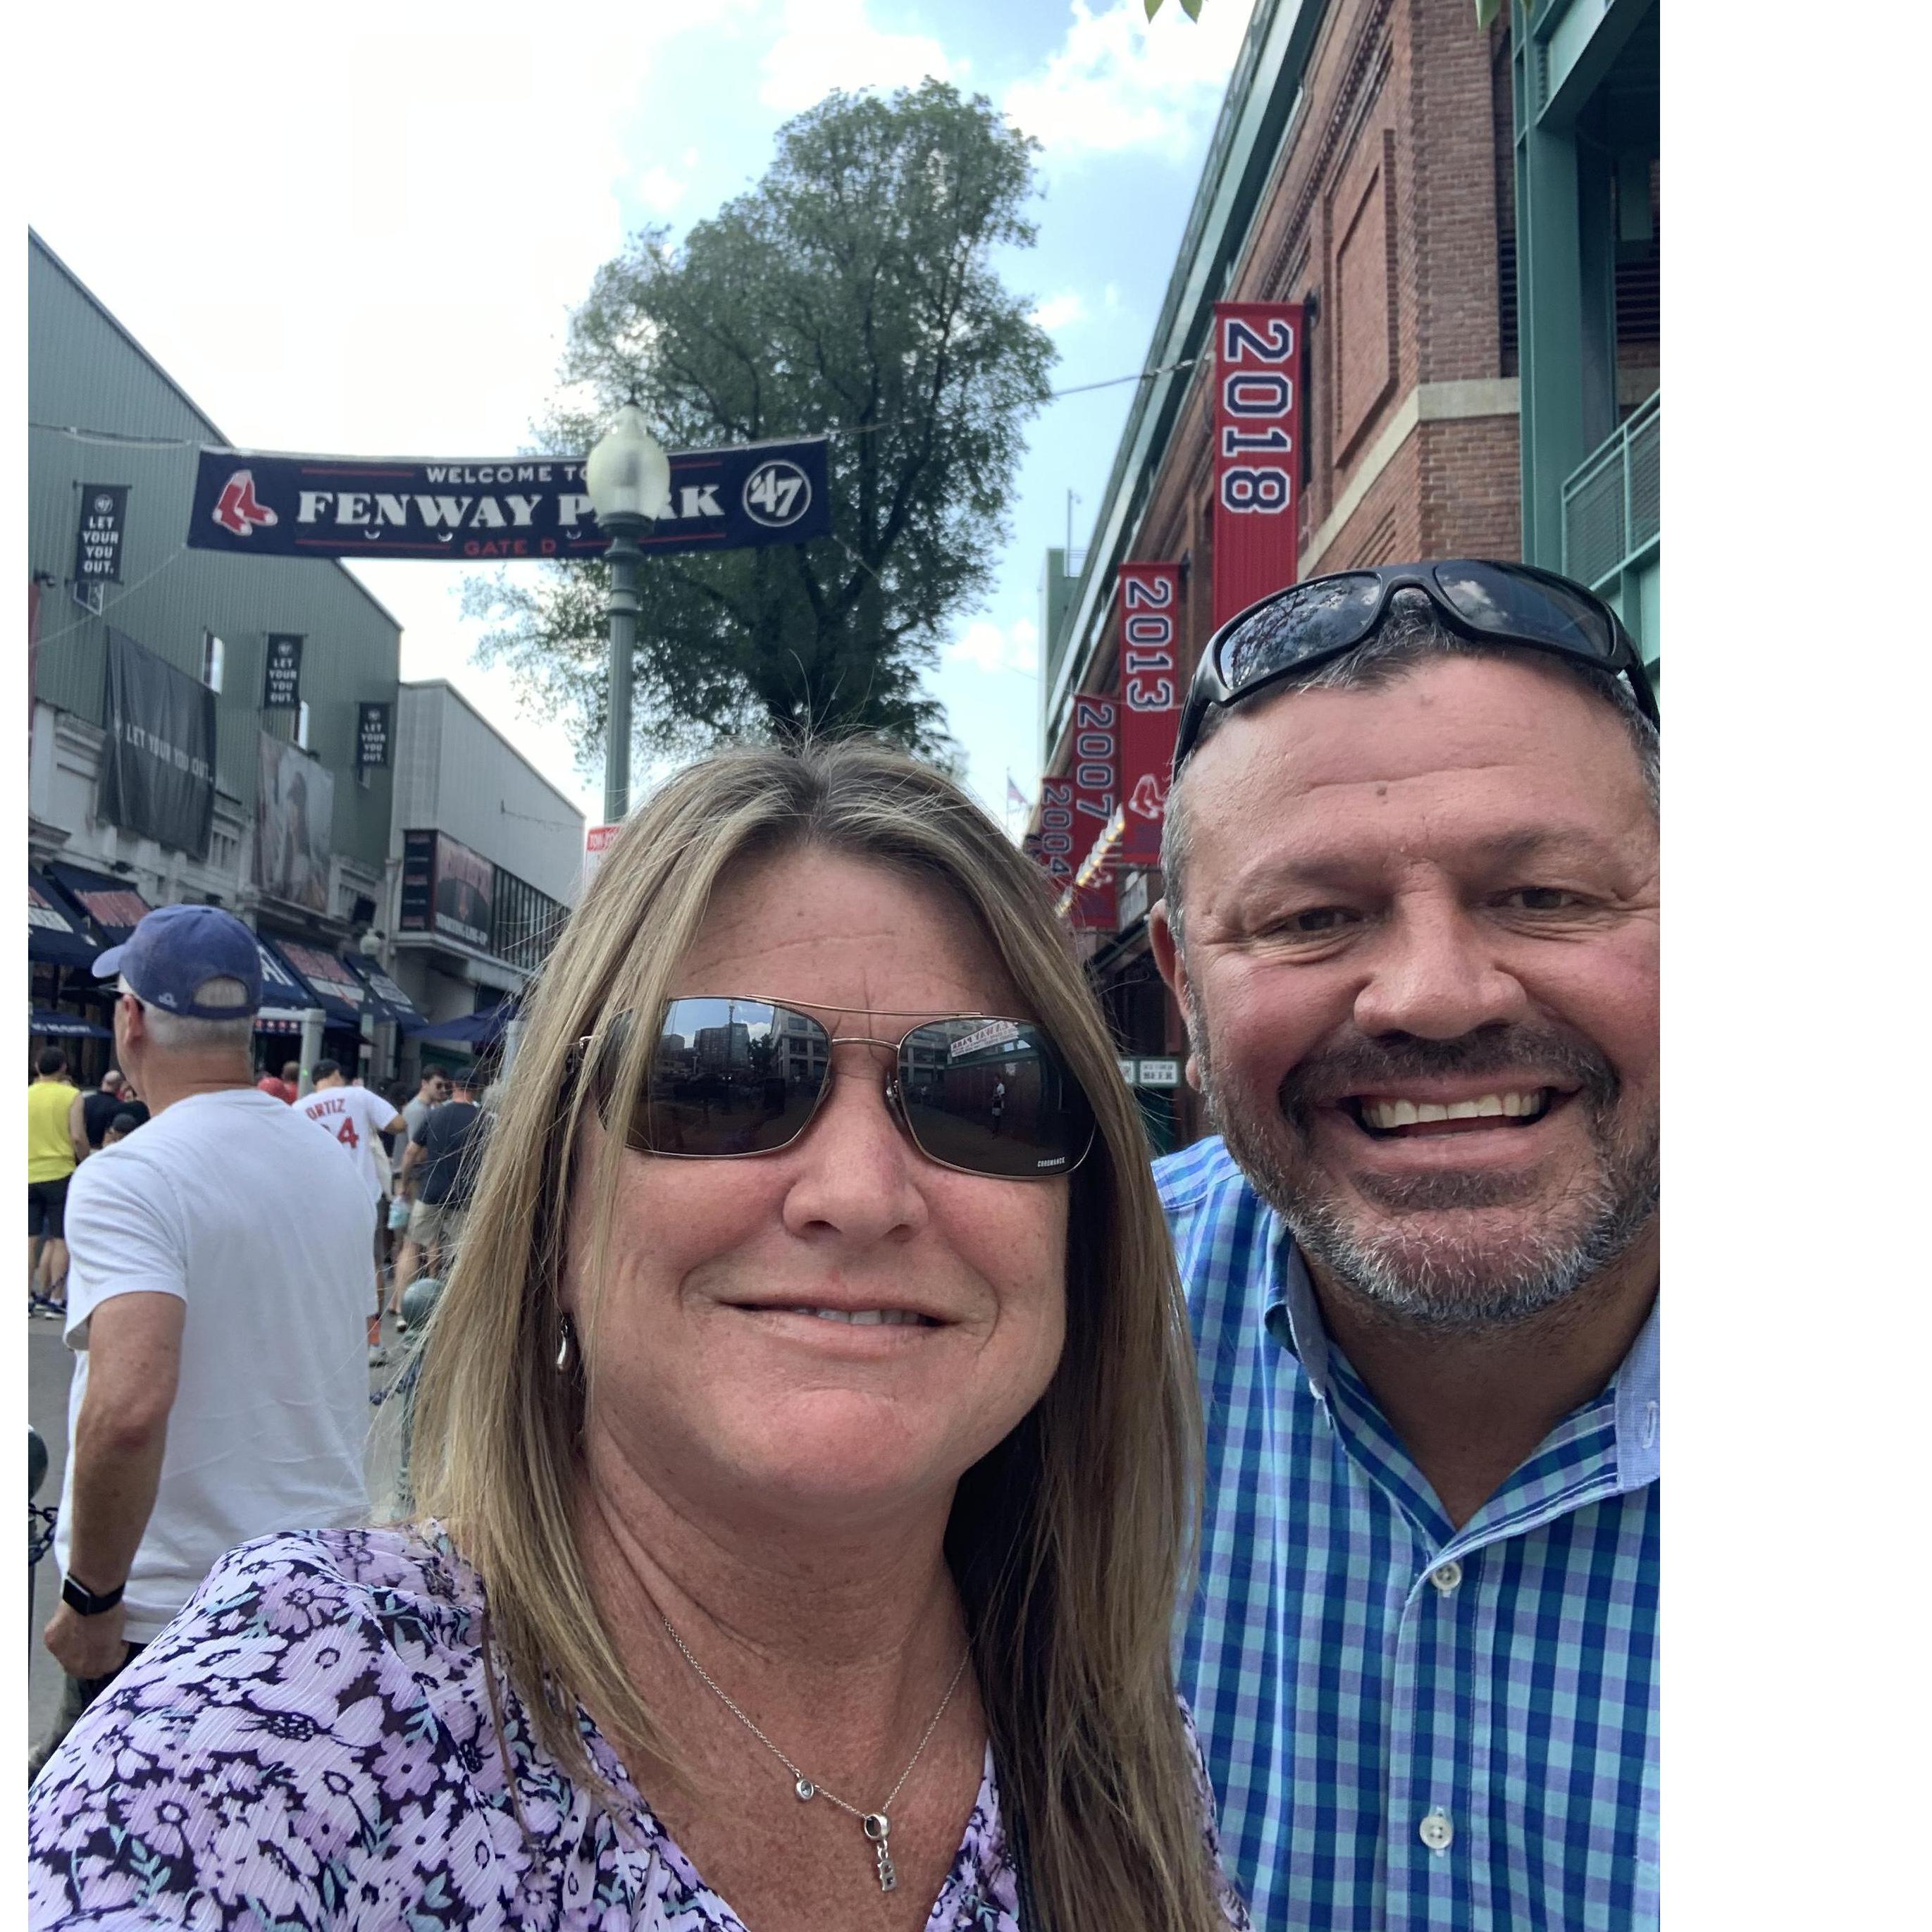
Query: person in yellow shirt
{"points": [[50, 1166]]}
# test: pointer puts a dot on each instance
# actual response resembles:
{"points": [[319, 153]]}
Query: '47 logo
{"points": [[776, 493]]}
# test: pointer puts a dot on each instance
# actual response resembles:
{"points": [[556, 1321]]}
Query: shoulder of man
{"points": [[1199, 1176]]}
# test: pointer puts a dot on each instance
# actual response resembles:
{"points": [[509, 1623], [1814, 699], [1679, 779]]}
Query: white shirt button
{"points": [[1445, 1577], [1436, 1831]]}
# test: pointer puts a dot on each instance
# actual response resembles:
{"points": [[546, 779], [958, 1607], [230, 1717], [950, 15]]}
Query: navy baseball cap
{"points": [[174, 952]]}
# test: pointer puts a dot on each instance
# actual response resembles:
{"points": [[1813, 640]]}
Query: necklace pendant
{"points": [[878, 1828], [806, 1790]]}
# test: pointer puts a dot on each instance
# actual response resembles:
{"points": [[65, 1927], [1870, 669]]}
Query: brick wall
{"points": [[1390, 206]]}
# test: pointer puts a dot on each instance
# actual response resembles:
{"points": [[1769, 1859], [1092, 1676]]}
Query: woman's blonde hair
{"points": [[1067, 1541]]}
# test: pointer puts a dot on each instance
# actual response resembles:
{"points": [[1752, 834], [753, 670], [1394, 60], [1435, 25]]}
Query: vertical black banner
{"points": [[281, 673], [419, 907], [157, 766], [372, 737], [97, 544]]}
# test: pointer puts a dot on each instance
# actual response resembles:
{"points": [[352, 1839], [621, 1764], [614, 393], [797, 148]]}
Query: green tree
{"points": [[853, 289]]}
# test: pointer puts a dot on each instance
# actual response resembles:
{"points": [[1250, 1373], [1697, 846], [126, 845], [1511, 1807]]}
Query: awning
{"points": [[391, 1002], [111, 904], [284, 996], [338, 990], [482, 1029], [56, 931], [64, 1026]]}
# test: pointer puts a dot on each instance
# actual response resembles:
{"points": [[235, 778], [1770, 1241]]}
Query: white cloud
{"points": [[824, 44], [1059, 311], [1121, 81], [988, 648], [658, 189]]}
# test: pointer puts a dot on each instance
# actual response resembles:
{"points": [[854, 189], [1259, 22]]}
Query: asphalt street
{"points": [[49, 1363]]}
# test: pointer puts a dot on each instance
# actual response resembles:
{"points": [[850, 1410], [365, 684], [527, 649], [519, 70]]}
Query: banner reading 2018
{"points": [[513, 506], [1257, 451]]}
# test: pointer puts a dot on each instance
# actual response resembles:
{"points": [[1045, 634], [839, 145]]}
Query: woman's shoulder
{"points": [[309, 1731]]}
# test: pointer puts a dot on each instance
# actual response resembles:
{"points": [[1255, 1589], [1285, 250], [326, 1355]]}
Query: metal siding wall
{"points": [[82, 372], [486, 796]]}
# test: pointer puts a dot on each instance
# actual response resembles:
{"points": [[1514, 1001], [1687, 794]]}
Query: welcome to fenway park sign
{"points": [[248, 503]]}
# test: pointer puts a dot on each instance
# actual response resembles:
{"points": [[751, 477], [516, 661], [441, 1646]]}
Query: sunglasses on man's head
{"points": [[1300, 629], [731, 1077]]}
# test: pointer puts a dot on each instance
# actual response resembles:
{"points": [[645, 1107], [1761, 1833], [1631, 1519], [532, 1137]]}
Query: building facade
{"points": [[170, 761], [1368, 165], [161, 664], [486, 860]]}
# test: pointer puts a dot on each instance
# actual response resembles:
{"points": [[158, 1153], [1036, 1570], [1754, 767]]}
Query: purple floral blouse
{"points": [[309, 1744]]}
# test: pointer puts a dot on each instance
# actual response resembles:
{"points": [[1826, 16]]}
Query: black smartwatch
{"points": [[82, 1601]]}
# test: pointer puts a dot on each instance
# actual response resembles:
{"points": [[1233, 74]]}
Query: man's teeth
{"points": [[1384, 1114], [866, 1318]]}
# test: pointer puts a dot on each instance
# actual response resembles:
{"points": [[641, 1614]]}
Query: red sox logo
{"points": [[238, 512], [1148, 798]]}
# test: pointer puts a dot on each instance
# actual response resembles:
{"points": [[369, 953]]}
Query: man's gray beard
{"points": [[1437, 1282]]}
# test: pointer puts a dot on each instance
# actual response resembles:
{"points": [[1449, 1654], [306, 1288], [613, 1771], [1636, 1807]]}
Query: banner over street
{"points": [[247, 502]]}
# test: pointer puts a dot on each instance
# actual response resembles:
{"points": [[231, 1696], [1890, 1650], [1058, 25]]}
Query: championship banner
{"points": [[103, 523], [1052, 848], [1150, 604], [157, 766], [1096, 773], [281, 673], [1257, 451], [511, 506]]}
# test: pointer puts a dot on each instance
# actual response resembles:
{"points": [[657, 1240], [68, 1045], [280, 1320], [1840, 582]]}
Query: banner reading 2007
{"points": [[511, 506], [1257, 451], [1150, 606]]}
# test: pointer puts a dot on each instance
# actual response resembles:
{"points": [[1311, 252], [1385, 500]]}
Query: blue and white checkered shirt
{"points": [[1408, 1725]]}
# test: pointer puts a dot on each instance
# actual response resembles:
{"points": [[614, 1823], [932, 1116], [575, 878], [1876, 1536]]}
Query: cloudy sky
{"points": [[363, 234]]}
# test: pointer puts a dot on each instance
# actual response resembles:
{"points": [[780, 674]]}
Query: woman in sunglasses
{"points": [[804, 1441]]}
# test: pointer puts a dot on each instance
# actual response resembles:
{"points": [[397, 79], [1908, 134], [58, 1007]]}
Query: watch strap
{"points": [[86, 1602]]}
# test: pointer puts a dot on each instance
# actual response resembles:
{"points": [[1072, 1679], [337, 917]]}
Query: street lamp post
{"points": [[627, 478]]}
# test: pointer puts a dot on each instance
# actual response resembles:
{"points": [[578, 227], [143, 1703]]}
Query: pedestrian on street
{"points": [[51, 1162], [842, 1466], [220, 1267], [288, 1087], [124, 1125], [99, 1109], [357, 1118], [431, 1094], [441, 1159], [1410, 915]]}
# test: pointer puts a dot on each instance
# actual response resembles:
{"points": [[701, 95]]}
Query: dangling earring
{"points": [[566, 1344]]}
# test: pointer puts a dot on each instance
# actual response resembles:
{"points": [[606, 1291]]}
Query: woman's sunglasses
{"points": [[1299, 629], [730, 1078]]}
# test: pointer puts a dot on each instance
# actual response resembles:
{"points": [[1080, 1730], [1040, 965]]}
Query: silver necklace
{"points": [[876, 1825]]}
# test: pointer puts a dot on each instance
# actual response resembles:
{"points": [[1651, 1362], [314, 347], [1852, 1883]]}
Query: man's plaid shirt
{"points": [[1408, 1725]]}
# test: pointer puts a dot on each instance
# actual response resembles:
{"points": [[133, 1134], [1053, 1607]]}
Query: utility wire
{"points": [[107, 605], [109, 435]]}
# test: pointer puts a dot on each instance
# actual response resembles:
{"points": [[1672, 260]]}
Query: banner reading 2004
{"points": [[511, 506]]}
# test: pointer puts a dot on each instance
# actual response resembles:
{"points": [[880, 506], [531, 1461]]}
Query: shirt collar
{"points": [[1293, 1318]]}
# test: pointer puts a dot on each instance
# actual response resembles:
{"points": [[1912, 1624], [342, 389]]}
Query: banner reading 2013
{"points": [[1149, 607], [1257, 451]]}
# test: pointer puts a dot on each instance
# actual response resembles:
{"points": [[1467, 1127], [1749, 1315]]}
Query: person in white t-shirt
{"points": [[218, 1274], [356, 1116]]}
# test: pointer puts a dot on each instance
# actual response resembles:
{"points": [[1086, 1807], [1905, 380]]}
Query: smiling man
{"points": [[1412, 917]]}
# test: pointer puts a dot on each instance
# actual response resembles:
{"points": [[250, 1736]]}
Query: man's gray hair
{"points": [[181, 1032], [1411, 635]]}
